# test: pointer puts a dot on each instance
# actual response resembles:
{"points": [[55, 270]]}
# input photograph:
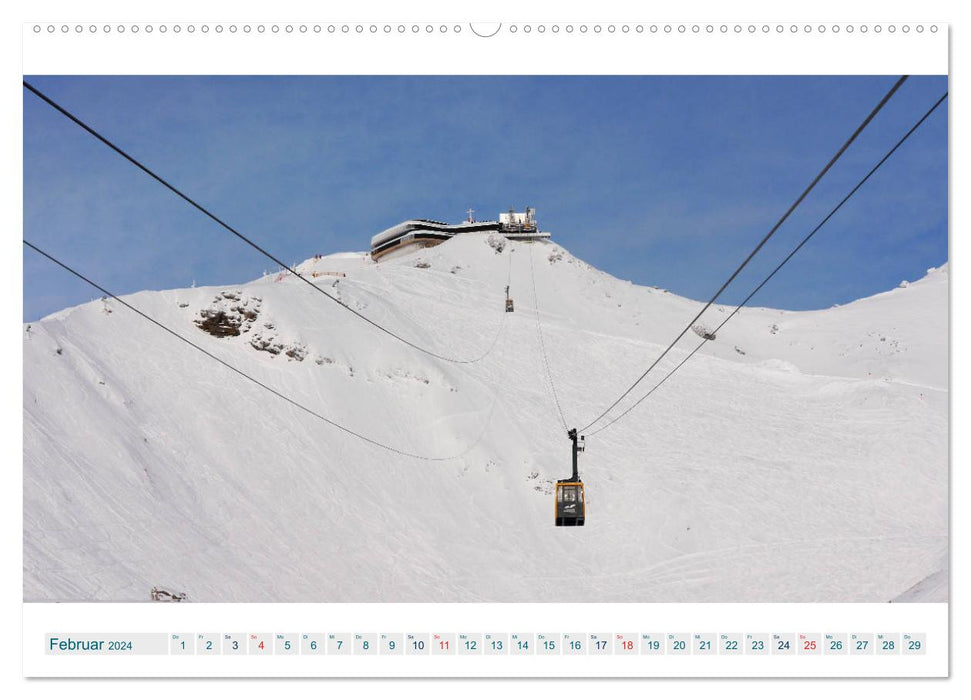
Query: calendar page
{"points": [[533, 347]]}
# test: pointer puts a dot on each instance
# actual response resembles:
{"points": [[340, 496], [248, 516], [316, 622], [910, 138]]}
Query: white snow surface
{"points": [[813, 467]]}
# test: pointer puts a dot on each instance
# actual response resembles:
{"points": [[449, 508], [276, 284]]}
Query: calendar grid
{"points": [[449, 644]]}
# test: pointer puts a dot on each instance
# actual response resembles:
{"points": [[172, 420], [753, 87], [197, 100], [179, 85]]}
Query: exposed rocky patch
{"points": [[229, 314], [266, 340]]}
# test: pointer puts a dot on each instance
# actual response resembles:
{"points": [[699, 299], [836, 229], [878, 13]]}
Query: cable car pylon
{"points": [[571, 508]]}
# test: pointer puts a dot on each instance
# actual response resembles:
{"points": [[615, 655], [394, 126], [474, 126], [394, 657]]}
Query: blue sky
{"points": [[666, 181]]}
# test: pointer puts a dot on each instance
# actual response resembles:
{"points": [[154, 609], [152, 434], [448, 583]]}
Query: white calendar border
{"points": [[824, 8], [931, 619]]}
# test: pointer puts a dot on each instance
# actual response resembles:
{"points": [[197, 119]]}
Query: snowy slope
{"points": [[813, 467]]}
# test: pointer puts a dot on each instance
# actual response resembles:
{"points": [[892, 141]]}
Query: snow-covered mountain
{"points": [[800, 456]]}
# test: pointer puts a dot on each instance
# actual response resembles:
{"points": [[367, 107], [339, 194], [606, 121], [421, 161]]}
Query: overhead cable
{"points": [[832, 161], [779, 266]]}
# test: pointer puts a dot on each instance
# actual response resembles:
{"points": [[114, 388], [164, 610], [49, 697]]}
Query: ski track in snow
{"points": [[813, 467]]}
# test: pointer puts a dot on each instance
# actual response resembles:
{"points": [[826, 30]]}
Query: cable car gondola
{"points": [[571, 508]]}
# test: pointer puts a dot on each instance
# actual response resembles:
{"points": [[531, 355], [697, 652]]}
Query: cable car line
{"points": [[510, 306], [542, 345], [784, 261], [502, 318], [569, 501], [509, 272], [273, 391], [758, 247], [241, 236]]}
